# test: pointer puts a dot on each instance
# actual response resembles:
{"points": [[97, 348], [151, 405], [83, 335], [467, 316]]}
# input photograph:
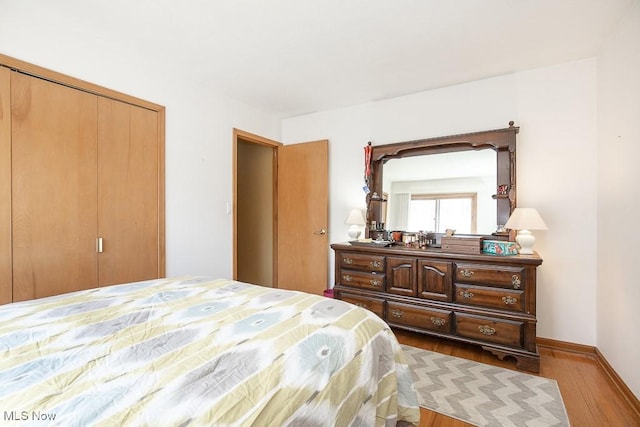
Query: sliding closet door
{"points": [[54, 160], [6, 291], [128, 192]]}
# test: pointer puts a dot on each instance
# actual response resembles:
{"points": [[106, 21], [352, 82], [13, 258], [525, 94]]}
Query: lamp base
{"points": [[526, 240], [354, 232]]}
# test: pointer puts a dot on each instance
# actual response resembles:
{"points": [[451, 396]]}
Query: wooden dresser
{"points": [[479, 299]]}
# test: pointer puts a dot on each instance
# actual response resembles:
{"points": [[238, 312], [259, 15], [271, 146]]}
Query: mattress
{"points": [[200, 351]]}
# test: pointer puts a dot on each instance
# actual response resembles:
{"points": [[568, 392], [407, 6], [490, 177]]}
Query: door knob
{"points": [[320, 232]]}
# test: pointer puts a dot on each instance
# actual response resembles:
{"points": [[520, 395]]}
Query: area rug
{"points": [[484, 395]]}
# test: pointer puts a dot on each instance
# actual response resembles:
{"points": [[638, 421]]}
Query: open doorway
{"points": [[255, 239], [280, 209]]}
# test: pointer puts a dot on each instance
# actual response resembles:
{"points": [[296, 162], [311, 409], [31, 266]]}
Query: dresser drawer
{"points": [[419, 317], [365, 262], [488, 329], [503, 299], [375, 305], [362, 279], [500, 276]]}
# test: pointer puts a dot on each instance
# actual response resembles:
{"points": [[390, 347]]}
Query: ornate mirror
{"points": [[466, 182]]}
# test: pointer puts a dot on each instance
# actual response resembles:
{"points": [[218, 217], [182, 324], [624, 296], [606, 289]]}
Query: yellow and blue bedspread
{"points": [[198, 351]]}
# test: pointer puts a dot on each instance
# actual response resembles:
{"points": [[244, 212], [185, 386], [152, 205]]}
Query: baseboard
{"points": [[566, 346], [623, 390]]}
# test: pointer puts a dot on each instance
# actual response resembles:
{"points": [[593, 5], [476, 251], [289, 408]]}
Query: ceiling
{"points": [[291, 57]]}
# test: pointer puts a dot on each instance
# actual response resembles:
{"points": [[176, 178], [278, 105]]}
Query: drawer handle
{"points": [[509, 300], [347, 278], [396, 313], [347, 260], [466, 273], [438, 321], [515, 281], [375, 264], [359, 304], [375, 282], [466, 294], [486, 330]]}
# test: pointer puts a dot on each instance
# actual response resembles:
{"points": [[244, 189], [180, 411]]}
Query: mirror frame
{"points": [[502, 141]]}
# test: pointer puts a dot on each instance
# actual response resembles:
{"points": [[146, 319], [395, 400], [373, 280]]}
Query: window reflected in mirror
{"points": [[440, 191], [437, 212]]}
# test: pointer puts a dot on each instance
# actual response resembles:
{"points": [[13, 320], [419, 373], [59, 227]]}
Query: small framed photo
{"points": [[503, 189]]}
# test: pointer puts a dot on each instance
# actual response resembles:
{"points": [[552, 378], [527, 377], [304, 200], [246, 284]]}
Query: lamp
{"points": [[523, 220], [355, 220]]}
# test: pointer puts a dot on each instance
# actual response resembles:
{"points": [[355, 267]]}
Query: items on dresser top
{"points": [[499, 247], [465, 245], [476, 298], [462, 244], [370, 242]]}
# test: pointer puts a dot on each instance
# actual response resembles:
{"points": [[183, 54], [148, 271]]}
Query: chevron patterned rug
{"points": [[484, 395]]}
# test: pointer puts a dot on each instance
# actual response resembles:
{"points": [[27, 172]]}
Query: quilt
{"points": [[196, 351]]}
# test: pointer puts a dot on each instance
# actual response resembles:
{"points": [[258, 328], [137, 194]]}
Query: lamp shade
{"points": [[525, 219], [355, 217]]}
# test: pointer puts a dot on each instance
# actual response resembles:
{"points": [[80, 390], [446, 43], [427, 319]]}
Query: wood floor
{"points": [[588, 394]]}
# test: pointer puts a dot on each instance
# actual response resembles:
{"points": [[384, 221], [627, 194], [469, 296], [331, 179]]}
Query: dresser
{"points": [[479, 299]]}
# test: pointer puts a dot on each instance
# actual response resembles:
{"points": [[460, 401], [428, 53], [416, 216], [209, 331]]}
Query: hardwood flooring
{"points": [[588, 394]]}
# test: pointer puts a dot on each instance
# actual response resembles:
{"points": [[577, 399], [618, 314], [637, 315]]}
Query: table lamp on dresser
{"points": [[524, 220]]}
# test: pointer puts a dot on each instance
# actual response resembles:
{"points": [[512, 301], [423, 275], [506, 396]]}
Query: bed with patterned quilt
{"points": [[194, 351]]}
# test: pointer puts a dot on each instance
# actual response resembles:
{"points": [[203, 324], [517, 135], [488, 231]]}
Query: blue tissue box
{"points": [[499, 247]]}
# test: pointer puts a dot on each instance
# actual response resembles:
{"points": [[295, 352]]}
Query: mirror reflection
{"points": [[442, 191]]}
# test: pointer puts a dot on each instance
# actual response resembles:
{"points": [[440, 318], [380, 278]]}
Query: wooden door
{"points": [[54, 160], [303, 200], [128, 193], [6, 287]]}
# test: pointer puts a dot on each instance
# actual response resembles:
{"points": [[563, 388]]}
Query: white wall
{"points": [[618, 291], [199, 178], [198, 157], [555, 108]]}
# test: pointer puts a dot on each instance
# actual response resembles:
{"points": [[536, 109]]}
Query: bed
{"points": [[200, 351]]}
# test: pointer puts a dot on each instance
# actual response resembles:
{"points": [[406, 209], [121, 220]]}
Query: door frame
{"points": [[258, 140]]}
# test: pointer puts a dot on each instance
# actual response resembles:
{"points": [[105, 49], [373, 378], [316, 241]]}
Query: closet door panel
{"points": [[6, 289], [128, 192], [54, 160]]}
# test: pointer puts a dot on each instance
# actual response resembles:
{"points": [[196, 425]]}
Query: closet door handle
{"points": [[99, 246]]}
